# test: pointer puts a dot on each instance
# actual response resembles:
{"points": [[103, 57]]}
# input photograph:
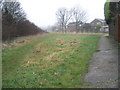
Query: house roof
{"points": [[98, 20], [71, 23]]}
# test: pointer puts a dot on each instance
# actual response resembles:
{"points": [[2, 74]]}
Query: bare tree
{"points": [[1, 3], [13, 11], [63, 16], [79, 17], [12, 14]]}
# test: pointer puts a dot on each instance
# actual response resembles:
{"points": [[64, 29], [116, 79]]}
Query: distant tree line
{"points": [[111, 10], [14, 22]]}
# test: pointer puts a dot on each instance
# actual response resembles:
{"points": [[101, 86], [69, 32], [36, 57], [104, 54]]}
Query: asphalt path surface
{"points": [[103, 68]]}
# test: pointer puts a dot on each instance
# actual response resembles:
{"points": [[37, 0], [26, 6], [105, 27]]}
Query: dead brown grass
{"points": [[52, 57]]}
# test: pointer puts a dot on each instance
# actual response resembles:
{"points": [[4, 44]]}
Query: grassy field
{"points": [[48, 61]]}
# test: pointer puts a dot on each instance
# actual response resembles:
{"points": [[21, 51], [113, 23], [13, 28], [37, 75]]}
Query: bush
{"points": [[14, 22]]}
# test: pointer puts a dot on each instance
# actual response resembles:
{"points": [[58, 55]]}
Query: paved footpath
{"points": [[103, 68]]}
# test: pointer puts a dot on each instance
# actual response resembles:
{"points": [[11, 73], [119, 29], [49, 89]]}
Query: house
{"points": [[87, 27], [97, 21], [104, 28], [100, 24], [71, 27]]}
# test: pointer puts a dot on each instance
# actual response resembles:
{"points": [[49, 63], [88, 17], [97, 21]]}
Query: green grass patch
{"points": [[49, 61]]}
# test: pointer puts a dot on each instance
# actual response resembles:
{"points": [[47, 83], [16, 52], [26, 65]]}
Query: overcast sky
{"points": [[43, 12]]}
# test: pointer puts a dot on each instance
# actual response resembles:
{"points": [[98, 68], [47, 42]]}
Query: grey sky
{"points": [[42, 12]]}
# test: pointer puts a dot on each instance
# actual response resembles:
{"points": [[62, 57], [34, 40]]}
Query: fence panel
{"points": [[117, 28]]}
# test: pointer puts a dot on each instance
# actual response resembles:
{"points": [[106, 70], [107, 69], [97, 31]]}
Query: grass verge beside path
{"points": [[49, 61]]}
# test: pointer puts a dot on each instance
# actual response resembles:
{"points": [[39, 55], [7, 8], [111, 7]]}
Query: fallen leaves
{"points": [[14, 43], [5, 46], [74, 41], [50, 56]]}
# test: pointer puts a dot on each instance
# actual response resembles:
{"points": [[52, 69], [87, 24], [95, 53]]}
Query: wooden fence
{"points": [[117, 29]]}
